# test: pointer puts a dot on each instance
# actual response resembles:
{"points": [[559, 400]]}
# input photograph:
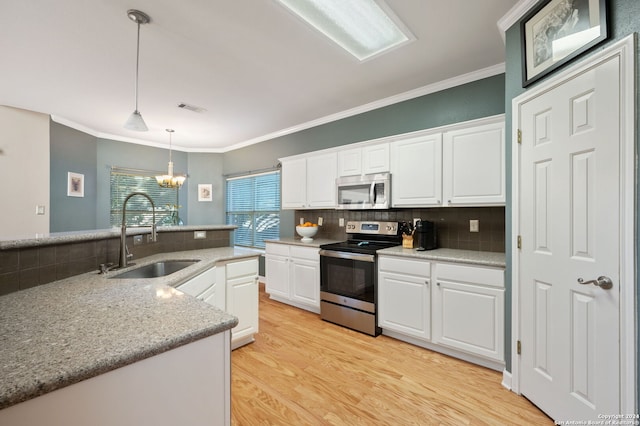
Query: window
{"points": [[253, 205], [139, 211]]}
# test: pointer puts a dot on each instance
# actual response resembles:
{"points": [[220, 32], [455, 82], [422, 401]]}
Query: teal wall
{"points": [[624, 20], [469, 101], [71, 151], [79, 152]]}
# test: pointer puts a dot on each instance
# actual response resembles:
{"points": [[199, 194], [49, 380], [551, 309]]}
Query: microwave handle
{"points": [[372, 193]]}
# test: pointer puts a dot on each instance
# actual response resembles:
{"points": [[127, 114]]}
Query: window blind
{"points": [[139, 211], [253, 205]]}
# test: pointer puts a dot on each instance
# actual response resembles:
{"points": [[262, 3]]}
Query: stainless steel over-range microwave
{"points": [[364, 192]]}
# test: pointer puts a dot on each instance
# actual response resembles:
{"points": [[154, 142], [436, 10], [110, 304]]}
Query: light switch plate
{"points": [[39, 210], [474, 225], [319, 221], [341, 222]]}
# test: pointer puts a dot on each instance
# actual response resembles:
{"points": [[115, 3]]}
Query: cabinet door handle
{"points": [[426, 282], [438, 284]]}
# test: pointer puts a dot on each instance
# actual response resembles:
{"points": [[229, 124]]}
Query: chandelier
{"points": [[169, 180]]}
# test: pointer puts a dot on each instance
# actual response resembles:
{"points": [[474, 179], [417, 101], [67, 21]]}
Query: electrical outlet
{"points": [[301, 220], [320, 221], [39, 210], [474, 225], [415, 220], [341, 222], [199, 235]]}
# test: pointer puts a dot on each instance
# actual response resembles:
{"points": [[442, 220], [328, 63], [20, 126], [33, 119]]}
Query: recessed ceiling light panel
{"points": [[364, 28]]}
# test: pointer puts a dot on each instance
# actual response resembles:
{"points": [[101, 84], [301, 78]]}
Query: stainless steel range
{"points": [[348, 275]]}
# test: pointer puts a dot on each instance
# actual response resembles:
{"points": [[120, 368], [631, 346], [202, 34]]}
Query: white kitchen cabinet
{"points": [[416, 171], [364, 160], [474, 165], [205, 287], [404, 296], [242, 299], [309, 182], [468, 309], [293, 275], [293, 186], [231, 286]]}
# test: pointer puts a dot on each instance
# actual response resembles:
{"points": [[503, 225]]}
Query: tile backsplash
{"points": [[452, 224]]}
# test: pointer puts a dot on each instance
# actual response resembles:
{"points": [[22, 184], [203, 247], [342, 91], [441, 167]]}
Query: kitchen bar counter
{"points": [[61, 333], [98, 234], [481, 258]]}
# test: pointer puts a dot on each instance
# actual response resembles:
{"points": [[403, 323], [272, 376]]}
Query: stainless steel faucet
{"points": [[124, 255]]}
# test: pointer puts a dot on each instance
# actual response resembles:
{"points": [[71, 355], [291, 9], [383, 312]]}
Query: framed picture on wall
{"points": [[75, 185], [205, 192], [557, 31]]}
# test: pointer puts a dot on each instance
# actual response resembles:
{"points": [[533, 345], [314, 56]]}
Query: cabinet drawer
{"points": [[309, 253], [471, 274], [401, 265], [198, 284], [279, 249], [242, 268]]}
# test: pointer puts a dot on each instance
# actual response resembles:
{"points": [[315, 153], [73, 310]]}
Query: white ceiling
{"points": [[258, 70]]}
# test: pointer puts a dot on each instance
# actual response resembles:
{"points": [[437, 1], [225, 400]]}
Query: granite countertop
{"points": [[97, 234], [481, 258], [317, 242], [60, 333]]}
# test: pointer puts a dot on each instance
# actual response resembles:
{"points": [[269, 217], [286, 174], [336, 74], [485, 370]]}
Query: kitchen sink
{"points": [[157, 269]]}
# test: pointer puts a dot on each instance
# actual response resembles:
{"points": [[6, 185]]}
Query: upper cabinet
{"points": [[473, 163], [416, 171], [309, 182], [461, 166], [458, 165], [364, 160]]}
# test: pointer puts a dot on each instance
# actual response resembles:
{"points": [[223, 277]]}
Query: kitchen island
{"points": [[65, 334]]}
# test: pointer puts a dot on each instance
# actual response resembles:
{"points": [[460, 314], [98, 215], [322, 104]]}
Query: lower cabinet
{"points": [[468, 309], [231, 286], [452, 308], [242, 299], [293, 275], [404, 296]]}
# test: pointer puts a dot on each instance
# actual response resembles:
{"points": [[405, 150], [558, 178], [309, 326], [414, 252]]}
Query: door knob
{"points": [[604, 283]]}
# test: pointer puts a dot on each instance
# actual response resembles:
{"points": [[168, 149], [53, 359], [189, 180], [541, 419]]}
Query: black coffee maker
{"points": [[426, 235]]}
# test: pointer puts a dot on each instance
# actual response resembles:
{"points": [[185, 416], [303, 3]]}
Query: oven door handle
{"points": [[346, 255]]}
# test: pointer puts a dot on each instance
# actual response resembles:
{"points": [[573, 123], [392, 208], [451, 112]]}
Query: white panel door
{"points": [[569, 223], [350, 162]]}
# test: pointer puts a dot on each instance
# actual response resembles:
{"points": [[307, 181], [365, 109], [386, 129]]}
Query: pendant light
{"points": [[135, 121], [169, 180]]}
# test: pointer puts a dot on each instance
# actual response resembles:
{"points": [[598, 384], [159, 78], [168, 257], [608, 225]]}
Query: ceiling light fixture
{"points": [[169, 180], [135, 121], [364, 28]]}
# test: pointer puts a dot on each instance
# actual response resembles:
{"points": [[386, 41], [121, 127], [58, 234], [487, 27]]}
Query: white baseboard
{"points": [[506, 379]]}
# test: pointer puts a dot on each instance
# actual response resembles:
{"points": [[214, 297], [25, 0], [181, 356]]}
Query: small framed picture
{"points": [[557, 31], [205, 192], [75, 185]]}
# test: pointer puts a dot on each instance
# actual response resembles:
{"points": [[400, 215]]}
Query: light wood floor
{"points": [[304, 371]]}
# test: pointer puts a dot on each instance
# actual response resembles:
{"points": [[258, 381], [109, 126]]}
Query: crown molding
{"points": [[412, 94], [514, 15]]}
